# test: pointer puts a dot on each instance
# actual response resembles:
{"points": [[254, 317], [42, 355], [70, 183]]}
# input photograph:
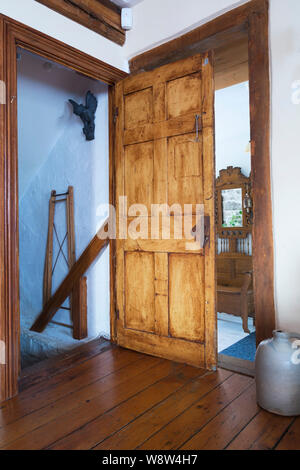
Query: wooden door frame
{"points": [[252, 19], [12, 35]]}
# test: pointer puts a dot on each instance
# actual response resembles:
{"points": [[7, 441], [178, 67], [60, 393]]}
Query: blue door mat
{"points": [[243, 349]]}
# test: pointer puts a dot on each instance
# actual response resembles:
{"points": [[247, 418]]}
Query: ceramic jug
{"points": [[277, 373]]}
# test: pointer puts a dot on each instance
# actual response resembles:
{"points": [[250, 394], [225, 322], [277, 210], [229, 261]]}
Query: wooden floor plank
{"points": [[218, 433], [46, 393], [67, 423], [155, 419], [291, 440], [88, 436], [41, 417], [262, 433], [177, 432], [123, 400], [56, 365]]}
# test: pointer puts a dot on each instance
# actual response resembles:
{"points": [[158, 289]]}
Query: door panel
{"points": [[186, 302], [184, 170], [165, 291], [139, 296], [138, 108], [183, 95], [138, 169]]}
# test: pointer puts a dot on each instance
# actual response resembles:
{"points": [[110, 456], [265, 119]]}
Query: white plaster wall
{"points": [[285, 64], [157, 21], [59, 27], [54, 154], [232, 121]]}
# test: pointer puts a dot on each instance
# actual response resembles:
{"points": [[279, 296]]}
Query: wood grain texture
{"points": [[112, 192], [208, 142], [114, 399], [240, 43], [146, 425], [227, 424], [91, 434], [177, 432], [80, 309], [289, 440], [58, 385], [41, 371], [263, 249], [88, 256], [53, 49], [165, 292], [102, 17], [225, 29], [263, 433], [17, 433], [3, 298], [11, 225]]}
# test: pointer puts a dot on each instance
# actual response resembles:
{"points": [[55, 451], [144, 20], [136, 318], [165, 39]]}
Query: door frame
{"points": [[251, 19], [12, 35]]}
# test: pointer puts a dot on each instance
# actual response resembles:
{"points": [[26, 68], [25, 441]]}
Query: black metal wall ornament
{"points": [[87, 114]]}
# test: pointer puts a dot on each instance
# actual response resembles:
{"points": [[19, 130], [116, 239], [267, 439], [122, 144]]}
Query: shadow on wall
{"points": [[54, 154]]}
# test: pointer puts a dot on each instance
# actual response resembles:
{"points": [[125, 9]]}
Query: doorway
{"points": [[54, 155], [13, 36], [234, 228]]}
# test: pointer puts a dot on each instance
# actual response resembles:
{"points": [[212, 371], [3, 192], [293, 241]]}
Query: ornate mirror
{"points": [[233, 204]]}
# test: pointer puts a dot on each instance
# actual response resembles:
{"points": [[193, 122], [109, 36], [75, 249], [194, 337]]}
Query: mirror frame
{"points": [[232, 178]]}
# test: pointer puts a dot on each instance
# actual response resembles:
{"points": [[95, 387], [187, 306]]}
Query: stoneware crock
{"points": [[277, 373]]}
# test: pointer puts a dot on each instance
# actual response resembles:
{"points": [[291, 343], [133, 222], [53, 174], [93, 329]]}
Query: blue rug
{"points": [[243, 349]]}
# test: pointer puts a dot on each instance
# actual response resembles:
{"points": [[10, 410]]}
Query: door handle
{"points": [[206, 235]]}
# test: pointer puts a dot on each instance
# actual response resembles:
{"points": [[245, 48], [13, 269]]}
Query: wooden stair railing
{"points": [[92, 251]]}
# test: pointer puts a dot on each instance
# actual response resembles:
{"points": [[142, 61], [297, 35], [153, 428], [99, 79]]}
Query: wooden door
{"points": [[165, 297]]}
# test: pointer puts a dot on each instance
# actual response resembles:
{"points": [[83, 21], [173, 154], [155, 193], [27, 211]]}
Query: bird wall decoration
{"points": [[87, 114]]}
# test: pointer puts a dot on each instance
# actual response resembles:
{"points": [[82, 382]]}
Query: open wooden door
{"points": [[166, 291]]}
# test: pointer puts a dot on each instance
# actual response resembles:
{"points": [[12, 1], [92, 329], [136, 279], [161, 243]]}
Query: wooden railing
{"points": [[74, 276]]}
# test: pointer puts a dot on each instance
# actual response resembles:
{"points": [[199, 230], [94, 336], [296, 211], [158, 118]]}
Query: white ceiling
{"points": [[126, 3]]}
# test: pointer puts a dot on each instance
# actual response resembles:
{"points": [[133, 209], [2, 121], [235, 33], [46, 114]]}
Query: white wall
{"points": [[53, 154], [232, 121], [59, 27], [285, 58], [157, 21]]}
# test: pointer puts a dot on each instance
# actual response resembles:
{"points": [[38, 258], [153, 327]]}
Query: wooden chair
{"points": [[234, 286]]}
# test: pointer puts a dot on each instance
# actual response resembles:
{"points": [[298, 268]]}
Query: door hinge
{"points": [[117, 314], [116, 114], [206, 241], [206, 229]]}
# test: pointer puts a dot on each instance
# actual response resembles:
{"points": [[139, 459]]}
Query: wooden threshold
{"points": [[236, 364], [122, 400]]}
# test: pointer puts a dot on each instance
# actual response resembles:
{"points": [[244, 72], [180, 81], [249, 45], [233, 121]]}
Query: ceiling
{"points": [[126, 3]]}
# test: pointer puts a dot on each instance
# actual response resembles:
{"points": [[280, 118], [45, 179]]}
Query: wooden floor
{"points": [[104, 397]]}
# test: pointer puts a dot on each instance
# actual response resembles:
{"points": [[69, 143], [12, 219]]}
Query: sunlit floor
{"points": [[230, 330]]}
